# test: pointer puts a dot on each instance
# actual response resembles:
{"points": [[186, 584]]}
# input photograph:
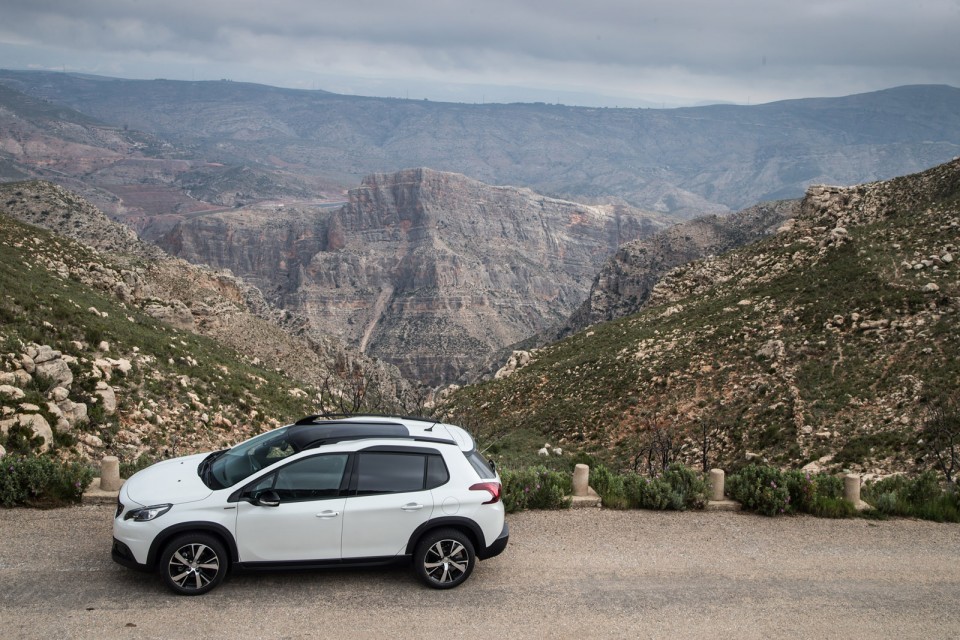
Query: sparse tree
{"points": [[707, 432], [941, 435], [660, 446]]}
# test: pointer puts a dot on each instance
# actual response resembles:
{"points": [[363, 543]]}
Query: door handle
{"points": [[328, 514], [413, 506]]}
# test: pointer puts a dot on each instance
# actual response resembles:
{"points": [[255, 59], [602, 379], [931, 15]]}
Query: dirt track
{"points": [[572, 574]]}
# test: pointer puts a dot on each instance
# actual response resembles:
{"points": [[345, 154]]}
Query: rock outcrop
{"points": [[423, 269], [624, 283]]}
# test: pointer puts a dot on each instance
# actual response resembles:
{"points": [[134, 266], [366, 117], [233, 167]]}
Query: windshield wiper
{"points": [[204, 469]]}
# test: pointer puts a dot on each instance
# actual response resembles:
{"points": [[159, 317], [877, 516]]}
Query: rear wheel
{"points": [[193, 563], [444, 558]]}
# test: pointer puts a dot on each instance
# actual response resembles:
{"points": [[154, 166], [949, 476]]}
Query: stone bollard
{"points": [[851, 488], [110, 474], [717, 479], [581, 480]]}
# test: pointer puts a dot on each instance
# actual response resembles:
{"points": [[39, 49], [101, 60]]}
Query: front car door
{"points": [[307, 524]]}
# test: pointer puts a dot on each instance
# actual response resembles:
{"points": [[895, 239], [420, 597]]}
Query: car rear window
{"points": [[480, 465]]}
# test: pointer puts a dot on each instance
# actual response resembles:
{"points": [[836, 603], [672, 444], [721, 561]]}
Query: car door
{"points": [[306, 524], [388, 501]]}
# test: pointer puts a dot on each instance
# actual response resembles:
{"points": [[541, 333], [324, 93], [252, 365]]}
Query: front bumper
{"points": [[121, 554], [498, 545]]}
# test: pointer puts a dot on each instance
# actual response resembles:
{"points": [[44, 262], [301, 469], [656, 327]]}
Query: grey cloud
{"points": [[561, 42]]}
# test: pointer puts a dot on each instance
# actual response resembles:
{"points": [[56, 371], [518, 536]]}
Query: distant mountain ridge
{"points": [[685, 162]]}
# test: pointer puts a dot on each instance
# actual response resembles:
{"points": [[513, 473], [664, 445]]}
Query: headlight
{"points": [[147, 513]]}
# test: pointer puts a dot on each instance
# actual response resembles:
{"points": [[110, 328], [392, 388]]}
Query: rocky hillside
{"points": [[422, 269], [825, 345], [682, 161], [116, 347], [624, 283]]}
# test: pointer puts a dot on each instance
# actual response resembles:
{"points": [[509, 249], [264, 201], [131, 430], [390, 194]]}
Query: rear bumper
{"points": [[498, 545]]}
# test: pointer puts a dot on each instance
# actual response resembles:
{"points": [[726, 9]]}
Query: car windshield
{"points": [[235, 465]]}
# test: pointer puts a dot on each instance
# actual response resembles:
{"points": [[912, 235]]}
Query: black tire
{"points": [[193, 563], [444, 558]]}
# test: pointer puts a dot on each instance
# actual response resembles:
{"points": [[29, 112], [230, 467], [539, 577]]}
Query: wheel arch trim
{"points": [[470, 528], [221, 532]]}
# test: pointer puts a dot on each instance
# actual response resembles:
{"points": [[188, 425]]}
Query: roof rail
{"points": [[313, 419]]}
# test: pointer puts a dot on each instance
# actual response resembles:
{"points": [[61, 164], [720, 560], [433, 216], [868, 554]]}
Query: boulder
{"points": [[36, 423], [27, 363], [10, 392], [107, 396], [57, 371], [73, 412], [177, 314], [43, 353]]}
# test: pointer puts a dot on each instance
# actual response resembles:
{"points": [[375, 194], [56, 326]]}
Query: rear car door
{"points": [[308, 522], [389, 498]]}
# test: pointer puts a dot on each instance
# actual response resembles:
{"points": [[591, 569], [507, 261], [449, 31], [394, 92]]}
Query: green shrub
{"points": [[535, 488], [761, 489], [610, 487], [646, 493], [679, 488], [688, 488], [828, 507], [920, 497], [41, 481]]}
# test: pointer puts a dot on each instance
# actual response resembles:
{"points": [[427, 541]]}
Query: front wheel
{"points": [[193, 563], [444, 558]]}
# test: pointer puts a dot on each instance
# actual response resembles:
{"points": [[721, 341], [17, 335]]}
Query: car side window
{"points": [[381, 472], [437, 473], [311, 478]]}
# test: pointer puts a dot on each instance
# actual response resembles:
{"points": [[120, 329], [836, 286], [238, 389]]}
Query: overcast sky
{"points": [[609, 52]]}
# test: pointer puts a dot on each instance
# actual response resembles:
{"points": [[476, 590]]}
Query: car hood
{"points": [[168, 482]]}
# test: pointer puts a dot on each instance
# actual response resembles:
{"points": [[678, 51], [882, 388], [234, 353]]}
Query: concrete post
{"points": [[110, 474], [717, 480], [581, 480], [851, 488]]}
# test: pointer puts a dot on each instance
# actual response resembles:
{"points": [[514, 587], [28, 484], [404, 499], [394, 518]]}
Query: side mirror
{"points": [[268, 498]]}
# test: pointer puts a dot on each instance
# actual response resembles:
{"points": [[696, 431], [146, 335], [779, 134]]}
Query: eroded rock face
{"points": [[626, 280], [424, 269]]}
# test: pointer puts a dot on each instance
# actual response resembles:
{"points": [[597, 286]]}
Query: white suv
{"points": [[357, 491]]}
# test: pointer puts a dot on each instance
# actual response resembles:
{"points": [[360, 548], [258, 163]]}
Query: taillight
{"points": [[493, 488]]}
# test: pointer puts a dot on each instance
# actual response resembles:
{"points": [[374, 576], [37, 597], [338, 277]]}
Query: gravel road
{"points": [[573, 574]]}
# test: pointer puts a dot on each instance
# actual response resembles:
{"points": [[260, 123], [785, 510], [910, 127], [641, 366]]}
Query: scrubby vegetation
{"points": [[831, 342], [42, 481]]}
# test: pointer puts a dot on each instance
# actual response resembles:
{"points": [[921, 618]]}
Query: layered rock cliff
{"points": [[427, 270]]}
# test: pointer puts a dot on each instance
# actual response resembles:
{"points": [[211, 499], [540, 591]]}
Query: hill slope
{"points": [[191, 358], [685, 161], [831, 338]]}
